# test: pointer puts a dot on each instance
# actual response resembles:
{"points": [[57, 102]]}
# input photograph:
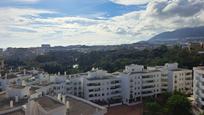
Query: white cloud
{"points": [[24, 1], [26, 27], [169, 8], [131, 2]]}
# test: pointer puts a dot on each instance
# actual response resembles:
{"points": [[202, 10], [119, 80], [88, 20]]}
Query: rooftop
{"points": [[199, 67], [33, 89], [11, 76], [48, 103], [147, 71], [15, 112], [17, 86], [86, 107], [5, 102], [43, 83], [101, 78], [179, 69]]}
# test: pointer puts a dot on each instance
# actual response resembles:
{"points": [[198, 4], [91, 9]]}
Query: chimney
{"points": [[16, 99], [6, 75], [23, 83], [11, 69], [67, 104], [64, 99], [59, 97], [24, 71], [11, 104]]}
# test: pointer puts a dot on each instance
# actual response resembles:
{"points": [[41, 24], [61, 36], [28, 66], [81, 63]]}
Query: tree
{"points": [[178, 104], [153, 108]]}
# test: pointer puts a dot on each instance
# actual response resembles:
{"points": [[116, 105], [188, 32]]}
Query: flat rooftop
{"points": [[180, 69], [10, 76], [43, 83], [147, 71], [79, 106], [101, 78], [33, 89], [199, 67], [17, 86], [48, 103], [15, 112], [5, 102]]}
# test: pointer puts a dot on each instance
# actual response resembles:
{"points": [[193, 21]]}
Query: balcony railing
{"points": [[201, 86], [201, 79]]}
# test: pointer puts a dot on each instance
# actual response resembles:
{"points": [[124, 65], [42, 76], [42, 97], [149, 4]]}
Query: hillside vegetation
{"points": [[111, 61]]}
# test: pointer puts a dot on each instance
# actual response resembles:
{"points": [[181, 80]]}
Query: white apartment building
{"points": [[164, 76], [77, 87], [1, 64], [67, 84], [137, 83], [128, 87], [174, 78], [1, 60], [102, 87], [179, 79], [198, 86], [17, 91]]}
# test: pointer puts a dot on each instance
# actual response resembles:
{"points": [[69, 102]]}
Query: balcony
{"points": [[148, 84], [148, 79], [201, 79], [201, 94], [201, 102], [115, 87], [118, 89], [146, 95], [201, 86], [149, 89], [93, 84]]}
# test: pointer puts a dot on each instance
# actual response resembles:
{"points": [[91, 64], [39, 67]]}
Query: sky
{"points": [[27, 23]]}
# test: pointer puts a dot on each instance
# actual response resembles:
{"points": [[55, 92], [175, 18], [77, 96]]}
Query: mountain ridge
{"points": [[183, 34]]}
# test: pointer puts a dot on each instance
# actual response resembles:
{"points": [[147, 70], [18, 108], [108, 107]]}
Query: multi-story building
{"points": [[164, 76], [1, 64], [1, 60], [179, 79], [138, 83], [67, 84], [198, 86], [102, 87], [128, 87], [174, 78]]}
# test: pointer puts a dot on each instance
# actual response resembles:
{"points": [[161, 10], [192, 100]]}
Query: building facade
{"points": [[198, 86], [179, 79], [102, 87], [138, 83]]}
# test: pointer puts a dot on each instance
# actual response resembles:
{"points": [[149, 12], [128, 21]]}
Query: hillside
{"points": [[180, 35]]}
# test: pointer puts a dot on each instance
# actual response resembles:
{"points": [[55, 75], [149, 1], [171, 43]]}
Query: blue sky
{"points": [[84, 8], [26, 23]]}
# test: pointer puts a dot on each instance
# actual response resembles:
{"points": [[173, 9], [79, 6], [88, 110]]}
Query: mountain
{"points": [[179, 35]]}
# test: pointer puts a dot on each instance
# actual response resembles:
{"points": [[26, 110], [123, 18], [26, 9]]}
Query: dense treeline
{"points": [[61, 61], [168, 104]]}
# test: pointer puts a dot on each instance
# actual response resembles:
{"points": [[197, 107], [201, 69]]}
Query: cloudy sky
{"points": [[25, 23]]}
